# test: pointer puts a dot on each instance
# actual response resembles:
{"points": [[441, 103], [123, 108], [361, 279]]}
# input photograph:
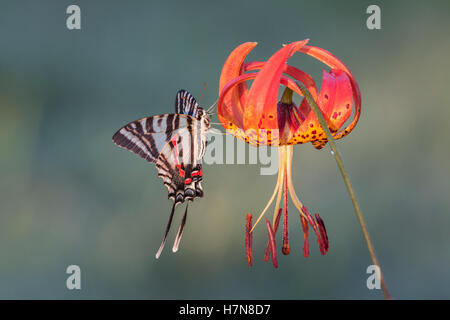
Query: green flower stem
{"points": [[340, 164]]}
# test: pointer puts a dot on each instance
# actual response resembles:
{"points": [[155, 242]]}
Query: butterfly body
{"points": [[176, 143]]}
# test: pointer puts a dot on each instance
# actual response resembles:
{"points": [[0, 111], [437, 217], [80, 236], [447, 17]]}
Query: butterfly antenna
{"points": [[204, 88], [166, 233], [176, 243]]}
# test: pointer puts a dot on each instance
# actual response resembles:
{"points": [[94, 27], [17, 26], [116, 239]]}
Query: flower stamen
{"points": [[294, 198], [281, 162], [272, 243], [285, 249], [278, 186], [323, 231], [248, 239], [322, 238], [276, 223], [305, 236]]}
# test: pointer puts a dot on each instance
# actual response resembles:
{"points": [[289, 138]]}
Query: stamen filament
{"points": [[285, 249], [276, 223], [272, 243], [281, 170], [294, 198], [282, 164], [248, 239], [305, 236]]}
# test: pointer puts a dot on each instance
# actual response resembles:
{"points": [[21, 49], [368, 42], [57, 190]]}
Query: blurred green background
{"points": [[70, 196]]}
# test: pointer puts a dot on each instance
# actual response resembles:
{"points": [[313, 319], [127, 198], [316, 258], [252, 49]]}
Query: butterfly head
{"points": [[204, 117]]}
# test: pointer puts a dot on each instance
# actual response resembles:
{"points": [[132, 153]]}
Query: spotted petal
{"points": [[231, 109], [260, 110]]}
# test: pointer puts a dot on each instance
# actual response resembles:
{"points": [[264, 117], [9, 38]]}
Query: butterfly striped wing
{"points": [[185, 103], [179, 165], [146, 137], [190, 147], [176, 143]]}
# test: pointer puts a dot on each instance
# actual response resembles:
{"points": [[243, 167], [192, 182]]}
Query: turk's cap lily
{"points": [[254, 115]]}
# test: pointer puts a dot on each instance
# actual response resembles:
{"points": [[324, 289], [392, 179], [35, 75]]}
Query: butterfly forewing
{"points": [[146, 137], [176, 143], [185, 103]]}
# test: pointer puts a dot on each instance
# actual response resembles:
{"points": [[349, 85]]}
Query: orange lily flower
{"points": [[255, 116]]}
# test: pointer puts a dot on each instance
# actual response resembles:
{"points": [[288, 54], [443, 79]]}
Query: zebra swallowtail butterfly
{"points": [[176, 143]]}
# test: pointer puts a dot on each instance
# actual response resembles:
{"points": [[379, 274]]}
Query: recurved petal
{"points": [[335, 102], [253, 136], [260, 109], [294, 72], [335, 99], [309, 130], [232, 106], [333, 62], [298, 75]]}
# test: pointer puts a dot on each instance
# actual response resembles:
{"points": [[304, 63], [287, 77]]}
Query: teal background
{"points": [[69, 196]]}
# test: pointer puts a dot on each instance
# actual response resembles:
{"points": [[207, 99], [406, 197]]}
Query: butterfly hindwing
{"points": [[180, 166]]}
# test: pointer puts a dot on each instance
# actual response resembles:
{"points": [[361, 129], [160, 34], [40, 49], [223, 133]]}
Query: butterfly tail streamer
{"points": [[167, 232], [177, 241]]}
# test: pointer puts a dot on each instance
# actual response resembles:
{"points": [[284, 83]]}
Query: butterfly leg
{"points": [[166, 233], [177, 241]]}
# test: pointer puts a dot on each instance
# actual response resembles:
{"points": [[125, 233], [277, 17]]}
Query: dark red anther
{"points": [[248, 239], [315, 225], [277, 222], [305, 231], [272, 243], [305, 236], [323, 231], [285, 249]]}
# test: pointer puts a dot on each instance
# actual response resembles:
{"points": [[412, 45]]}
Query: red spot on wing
{"points": [[181, 172]]}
